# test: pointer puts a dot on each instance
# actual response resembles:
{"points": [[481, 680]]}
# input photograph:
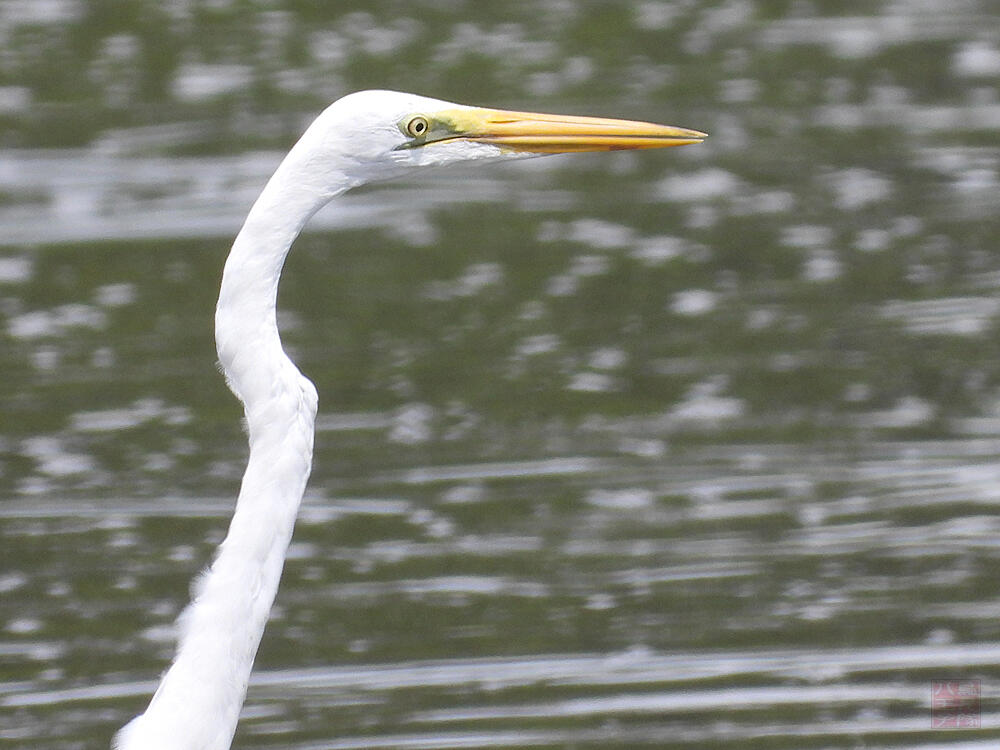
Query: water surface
{"points": [[683, 449]]}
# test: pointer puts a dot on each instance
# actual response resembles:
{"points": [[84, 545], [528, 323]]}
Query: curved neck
{"points": [[198, 702]]}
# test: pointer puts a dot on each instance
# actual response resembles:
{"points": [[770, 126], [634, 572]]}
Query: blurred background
{"points": [[694, 448]]}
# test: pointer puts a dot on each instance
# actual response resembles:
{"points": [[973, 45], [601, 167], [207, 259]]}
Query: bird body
{"points": [[366, 136]]}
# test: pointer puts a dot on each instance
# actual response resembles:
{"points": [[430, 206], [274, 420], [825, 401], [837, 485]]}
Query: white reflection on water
{"points": [[95, 194], [823, 680], [961, 316]]}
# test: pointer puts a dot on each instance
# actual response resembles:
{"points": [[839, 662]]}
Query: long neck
{"points": [[198, 702]]}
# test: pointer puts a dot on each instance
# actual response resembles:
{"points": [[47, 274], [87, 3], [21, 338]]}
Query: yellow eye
{"points": [[417, 127]]}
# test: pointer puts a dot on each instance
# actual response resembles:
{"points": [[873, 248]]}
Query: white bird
{"points": [[366, 136]]}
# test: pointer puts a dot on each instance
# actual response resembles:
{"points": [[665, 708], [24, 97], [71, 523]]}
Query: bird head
{"points": [[383, 134]]}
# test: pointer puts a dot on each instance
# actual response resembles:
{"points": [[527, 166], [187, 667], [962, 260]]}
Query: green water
{"points": [[684, 449]]}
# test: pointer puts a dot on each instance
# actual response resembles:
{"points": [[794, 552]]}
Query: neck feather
{"points": [[198, 702]]}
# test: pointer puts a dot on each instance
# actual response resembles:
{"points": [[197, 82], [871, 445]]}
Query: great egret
{"points": [[366, 136]]}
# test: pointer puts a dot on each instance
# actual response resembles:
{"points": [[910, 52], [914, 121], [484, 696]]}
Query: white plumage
{"points": [[371, 135]]}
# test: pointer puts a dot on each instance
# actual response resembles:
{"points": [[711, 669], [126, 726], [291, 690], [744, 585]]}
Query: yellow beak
{"points": [[556, 134]]}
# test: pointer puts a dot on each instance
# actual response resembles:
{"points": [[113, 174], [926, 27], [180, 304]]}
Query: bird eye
{"points": [[417, 126]]}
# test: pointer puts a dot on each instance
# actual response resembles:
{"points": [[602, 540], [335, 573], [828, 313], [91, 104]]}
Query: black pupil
{"points": [[418, 127]]}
